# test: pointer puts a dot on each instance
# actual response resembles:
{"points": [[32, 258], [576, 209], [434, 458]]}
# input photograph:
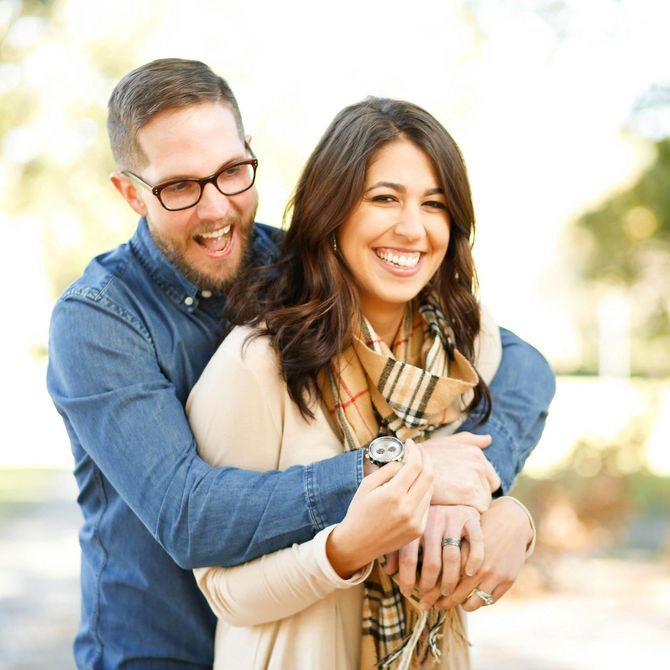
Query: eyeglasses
{"points": [[178, 194]]}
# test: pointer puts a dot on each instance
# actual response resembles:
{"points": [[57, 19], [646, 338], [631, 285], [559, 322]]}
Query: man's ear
{"points": [[125, 186]]}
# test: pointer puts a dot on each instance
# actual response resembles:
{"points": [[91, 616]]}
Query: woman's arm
{"points": [[274, 586], [237, 412]]}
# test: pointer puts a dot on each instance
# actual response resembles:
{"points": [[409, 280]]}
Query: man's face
{"points": [[207, 242]]}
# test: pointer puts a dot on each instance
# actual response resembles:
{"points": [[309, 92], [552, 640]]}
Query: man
{"points": [[130, 338]]}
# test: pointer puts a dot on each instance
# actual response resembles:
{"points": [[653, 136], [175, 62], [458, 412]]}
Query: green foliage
{"points": [[627, 244], [631, 223], [52, 125]]}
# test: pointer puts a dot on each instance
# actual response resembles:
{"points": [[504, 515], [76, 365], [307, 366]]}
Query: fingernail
{"points": [[424, 606], [469, 572]]}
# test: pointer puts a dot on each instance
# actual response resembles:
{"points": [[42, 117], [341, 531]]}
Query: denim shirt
{"points": [[128, 341]]}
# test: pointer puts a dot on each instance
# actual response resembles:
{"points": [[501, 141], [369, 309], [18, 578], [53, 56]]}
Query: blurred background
{"points": [[562, 110]]}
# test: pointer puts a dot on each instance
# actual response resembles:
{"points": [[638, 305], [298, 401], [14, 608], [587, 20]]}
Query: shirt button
{"points": [[206, 294], [188, 300]]}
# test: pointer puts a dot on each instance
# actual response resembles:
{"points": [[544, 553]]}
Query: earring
{"points": [[334, 244]]}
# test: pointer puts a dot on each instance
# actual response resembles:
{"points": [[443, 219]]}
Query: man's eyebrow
{"points": [[231, 161]]}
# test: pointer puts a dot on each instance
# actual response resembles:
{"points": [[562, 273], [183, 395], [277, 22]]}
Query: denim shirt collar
{"points": [[179, 289]]}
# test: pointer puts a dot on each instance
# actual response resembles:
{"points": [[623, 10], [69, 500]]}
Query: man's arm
{"points": [[522, 390], [106, 382]]}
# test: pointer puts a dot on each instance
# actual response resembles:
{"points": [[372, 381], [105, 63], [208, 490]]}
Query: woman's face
{"points": [[397, 235]]}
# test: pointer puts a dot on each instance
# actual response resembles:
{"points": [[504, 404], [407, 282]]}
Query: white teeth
{"points": [[401, 260], [217, 233]]}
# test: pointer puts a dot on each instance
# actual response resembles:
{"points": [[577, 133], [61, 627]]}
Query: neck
{"points": [[386, 323]]}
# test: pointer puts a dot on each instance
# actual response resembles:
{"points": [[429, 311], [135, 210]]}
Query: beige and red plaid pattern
{"points": [[406, 391]]}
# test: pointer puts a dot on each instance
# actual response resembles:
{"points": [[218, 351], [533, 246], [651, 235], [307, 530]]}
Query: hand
{"points": [[388, 510], [507, 532], [463, 476], [443, 521]]}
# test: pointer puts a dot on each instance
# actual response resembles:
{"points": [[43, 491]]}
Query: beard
{"points": [[212, 281]]}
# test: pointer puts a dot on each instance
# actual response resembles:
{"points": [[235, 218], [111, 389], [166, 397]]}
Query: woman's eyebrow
{"points": [[387, 184], [438, 190]]}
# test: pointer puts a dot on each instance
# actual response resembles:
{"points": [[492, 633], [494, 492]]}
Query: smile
{"points": [[216, 241], [400, 259]]}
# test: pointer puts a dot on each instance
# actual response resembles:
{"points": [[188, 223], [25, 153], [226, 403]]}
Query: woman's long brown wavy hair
{"points": [[307, 302]]}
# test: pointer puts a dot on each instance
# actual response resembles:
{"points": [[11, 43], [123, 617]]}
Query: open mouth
{"points": [[217, 241], [399, 259]]}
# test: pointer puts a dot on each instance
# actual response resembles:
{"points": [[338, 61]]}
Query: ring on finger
{"points": [[486, 598], [452, 542]]}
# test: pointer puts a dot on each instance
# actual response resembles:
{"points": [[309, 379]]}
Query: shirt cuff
{"points": [[327, 569], [330, 485]]}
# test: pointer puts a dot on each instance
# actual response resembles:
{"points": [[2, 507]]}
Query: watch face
{"points": [[386, 449]]}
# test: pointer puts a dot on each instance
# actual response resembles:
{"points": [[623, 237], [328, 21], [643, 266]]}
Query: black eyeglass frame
{"points": [[212, 179]]}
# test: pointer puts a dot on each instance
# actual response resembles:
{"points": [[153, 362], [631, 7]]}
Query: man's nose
{"points": [[213, 204]]}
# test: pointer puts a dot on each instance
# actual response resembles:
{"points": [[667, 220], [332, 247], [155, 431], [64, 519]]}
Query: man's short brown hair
{"points": [[167, 83]]}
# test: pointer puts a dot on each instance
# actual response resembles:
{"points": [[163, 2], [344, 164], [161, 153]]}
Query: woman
{"points": [[368, 326]]}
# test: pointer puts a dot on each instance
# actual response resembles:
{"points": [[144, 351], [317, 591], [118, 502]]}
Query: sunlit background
{"points": [[562, 110]]}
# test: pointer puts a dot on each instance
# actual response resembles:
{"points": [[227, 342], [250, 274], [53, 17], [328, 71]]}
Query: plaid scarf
{"points": [[406, 391]]}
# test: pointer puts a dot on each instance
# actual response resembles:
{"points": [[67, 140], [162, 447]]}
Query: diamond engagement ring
{"points": [[487, 598], [452, 542]]}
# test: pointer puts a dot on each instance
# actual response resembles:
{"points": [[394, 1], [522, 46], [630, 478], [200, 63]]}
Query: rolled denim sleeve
{"points": [[123, 412], [521, 390]]}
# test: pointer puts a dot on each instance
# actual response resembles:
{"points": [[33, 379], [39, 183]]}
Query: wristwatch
{"points": [[385, 449]]}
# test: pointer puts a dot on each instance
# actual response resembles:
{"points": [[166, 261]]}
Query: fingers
{"points": [[412, 467], [451, 564], [481, 441], [487, 581], [460, 439], [419, 481], [407, 559], [430, 598], [391, 566], [431, 561], [451, 557], [491, 477], [381, 476], [477, 598], [472, 530]]}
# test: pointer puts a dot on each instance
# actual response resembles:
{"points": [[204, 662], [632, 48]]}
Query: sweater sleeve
{"points": [[237, 412], [274, 586]]}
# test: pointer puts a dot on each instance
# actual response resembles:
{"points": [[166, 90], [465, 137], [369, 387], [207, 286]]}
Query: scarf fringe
{"points": [[423, 644]]}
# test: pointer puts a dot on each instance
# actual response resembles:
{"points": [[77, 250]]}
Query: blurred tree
{"points": [[627, 245], [58, 65]]}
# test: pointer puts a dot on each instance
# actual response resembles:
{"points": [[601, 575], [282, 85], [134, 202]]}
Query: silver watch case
{"points": [[385, 449]]}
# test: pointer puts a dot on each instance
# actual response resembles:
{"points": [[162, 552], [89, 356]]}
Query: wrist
{"points": [[524, 514], [369, 467], [344, 561]]}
